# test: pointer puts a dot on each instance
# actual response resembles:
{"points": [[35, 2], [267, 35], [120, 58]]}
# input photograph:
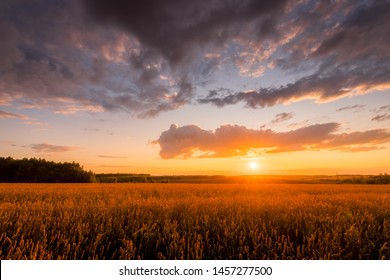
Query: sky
{"points": [[198, 86]]}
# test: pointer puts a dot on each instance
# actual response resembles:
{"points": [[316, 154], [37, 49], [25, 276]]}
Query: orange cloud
{"points": [[233, 140], [109, 156]]}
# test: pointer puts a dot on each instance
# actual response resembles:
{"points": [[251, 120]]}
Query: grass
{"points": [[190, 221]]}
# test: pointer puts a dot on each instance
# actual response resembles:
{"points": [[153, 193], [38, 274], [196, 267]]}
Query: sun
{"points": [[253, 165]]}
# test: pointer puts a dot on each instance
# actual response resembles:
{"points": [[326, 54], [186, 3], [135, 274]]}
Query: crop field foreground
{"points": [[194, 221]]}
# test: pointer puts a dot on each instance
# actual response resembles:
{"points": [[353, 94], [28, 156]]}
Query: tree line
{"points": [[123, 178], [42, 171], [381, 179]]}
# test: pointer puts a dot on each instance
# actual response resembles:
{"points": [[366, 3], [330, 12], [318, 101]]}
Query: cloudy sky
{"points": [[197, 86]]}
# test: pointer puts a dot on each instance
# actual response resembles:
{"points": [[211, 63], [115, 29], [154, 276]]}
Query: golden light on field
{"points": [[200, 221]]}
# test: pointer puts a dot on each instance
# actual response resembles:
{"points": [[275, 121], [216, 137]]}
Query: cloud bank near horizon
{"points": [[147, 57], [238, 141]]}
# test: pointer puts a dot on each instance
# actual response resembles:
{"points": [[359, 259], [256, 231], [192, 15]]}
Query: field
{"points": [[194, 221]]}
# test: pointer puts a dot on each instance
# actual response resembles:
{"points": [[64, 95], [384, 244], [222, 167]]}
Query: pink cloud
{"points": [[8, 115]]}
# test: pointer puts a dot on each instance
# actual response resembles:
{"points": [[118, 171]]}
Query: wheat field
{"points": [[194, 221]]}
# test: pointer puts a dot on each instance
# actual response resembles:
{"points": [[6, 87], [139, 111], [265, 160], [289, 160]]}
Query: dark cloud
{"points": [[322, 87], [232, 140], [177, 38], [281, 117], [347, 50], [355, 108], [385, 108], [175, 28], [53, 56], [48, 148], [381, 118], [147, 57], [383, 114]]}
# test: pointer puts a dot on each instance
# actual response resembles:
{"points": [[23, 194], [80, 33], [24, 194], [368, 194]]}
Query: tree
{"points": [[41, 171]]}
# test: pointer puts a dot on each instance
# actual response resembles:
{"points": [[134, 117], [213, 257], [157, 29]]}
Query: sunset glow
{"points": [[253, 165], [193, 88]]}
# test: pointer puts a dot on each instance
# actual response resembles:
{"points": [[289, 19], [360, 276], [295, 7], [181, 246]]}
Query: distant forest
{"points": [[41, 171]]}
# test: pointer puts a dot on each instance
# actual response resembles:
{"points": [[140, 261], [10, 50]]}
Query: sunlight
{"points": [[253, 165]]}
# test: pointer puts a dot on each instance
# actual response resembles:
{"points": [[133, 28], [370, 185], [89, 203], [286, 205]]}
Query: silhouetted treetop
{"points": [[41, 171]]}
